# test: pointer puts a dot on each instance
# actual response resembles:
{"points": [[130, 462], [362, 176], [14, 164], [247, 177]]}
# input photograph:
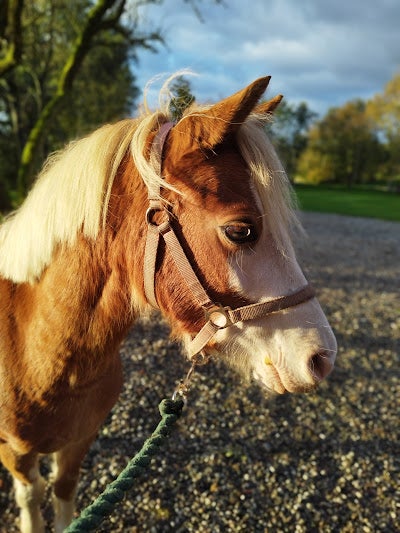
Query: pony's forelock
{"points": [[270, 179]]}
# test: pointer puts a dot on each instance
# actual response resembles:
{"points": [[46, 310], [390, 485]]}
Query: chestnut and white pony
{"points": [[72, 271]]}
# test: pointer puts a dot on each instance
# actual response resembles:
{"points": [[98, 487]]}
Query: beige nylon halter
{"points": [[217, 316]]}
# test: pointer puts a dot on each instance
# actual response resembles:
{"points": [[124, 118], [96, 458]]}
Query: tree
{"points": [[384, 112], [63, 46], [65, 67], [342, 147], [104, 91], [10, 34], [103, 16], [182, 97], [289, 132]]}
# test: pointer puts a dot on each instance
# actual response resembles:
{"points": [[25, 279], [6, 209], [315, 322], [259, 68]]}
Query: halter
{"points": [[217, 316]]}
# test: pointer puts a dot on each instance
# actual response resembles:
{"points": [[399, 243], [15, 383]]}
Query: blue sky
{"points": [[319, 51]]}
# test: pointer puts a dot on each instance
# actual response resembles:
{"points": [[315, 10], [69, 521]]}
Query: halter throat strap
{"points": [[217, 317]]}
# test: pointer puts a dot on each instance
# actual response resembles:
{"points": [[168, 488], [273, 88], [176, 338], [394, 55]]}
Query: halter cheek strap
{"points": [[217, 316], [155, 205]]}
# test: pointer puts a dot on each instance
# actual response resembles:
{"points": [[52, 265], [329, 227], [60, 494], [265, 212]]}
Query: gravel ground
{"points": [[322, 462]]}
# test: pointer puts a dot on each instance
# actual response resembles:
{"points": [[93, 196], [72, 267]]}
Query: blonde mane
{"points": [[71, 193], [73, 189]]}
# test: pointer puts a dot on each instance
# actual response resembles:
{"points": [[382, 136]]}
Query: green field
{"points": [[361, 202]]}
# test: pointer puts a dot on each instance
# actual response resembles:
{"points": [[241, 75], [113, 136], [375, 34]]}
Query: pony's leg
{"points": [[29, 487], [67, 462]]}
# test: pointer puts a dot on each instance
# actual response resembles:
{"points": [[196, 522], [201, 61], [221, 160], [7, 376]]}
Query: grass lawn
{"points": [[356, 202]]}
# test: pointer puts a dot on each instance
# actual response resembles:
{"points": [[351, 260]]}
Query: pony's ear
{"points": [[211, 126], [267, 108]]}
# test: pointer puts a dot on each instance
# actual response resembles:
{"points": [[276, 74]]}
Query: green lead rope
{"points": [[103, 506]]}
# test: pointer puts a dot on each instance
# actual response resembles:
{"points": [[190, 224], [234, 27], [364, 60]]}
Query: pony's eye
{"points": [[240, 233]]}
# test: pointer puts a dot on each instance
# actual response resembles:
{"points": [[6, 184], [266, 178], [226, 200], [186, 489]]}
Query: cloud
{"points": [[317, 51]]}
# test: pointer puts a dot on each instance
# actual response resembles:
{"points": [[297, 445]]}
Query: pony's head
{"points": [[213, 186], [228, 202]]}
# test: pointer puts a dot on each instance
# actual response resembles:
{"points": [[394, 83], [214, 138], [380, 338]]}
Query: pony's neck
{"points": [[99, 282], [84, 299], [90, 294], [87, 298]]}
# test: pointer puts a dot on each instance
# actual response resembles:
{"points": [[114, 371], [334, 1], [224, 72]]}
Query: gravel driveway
{"points": [[240, 462]]}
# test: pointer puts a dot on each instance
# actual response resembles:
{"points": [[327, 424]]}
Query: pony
{"points": [[194, 219]]}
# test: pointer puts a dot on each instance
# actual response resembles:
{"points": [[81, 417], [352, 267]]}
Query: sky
{"points": [[318, 51]]}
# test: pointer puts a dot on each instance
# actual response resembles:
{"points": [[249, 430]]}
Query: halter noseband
{"points": [[217, 316]]}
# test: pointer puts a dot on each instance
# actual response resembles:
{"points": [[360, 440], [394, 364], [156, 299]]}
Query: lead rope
{"points": [[91, 517], [170, 410]]}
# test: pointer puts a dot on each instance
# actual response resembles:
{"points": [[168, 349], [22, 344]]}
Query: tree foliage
{"points": [[10, 34], [65, 67], [69, 72], [289, 131], [358, 142], [342, 147], [384, 113], [384, 108], [182, 97]]}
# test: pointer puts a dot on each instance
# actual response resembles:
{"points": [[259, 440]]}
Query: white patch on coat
{"points": [[29, 498]]}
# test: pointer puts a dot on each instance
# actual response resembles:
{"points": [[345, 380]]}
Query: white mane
{"points": [[70, 194]]}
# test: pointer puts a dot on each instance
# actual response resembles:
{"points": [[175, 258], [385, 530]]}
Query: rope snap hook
{"points": [[183, 387]]}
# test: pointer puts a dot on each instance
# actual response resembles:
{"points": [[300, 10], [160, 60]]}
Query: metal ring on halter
{"points": [[151, 211], [218, 315]]}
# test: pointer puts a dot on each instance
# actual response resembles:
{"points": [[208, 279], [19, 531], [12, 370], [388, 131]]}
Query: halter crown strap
{"points": [[217, 316], [153, 233], [156, 155]]}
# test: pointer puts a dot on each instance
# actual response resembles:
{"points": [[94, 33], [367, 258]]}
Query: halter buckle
{"points": [[218, 315]]}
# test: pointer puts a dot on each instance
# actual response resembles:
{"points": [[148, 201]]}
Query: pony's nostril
{"points": [[320, 365]]}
